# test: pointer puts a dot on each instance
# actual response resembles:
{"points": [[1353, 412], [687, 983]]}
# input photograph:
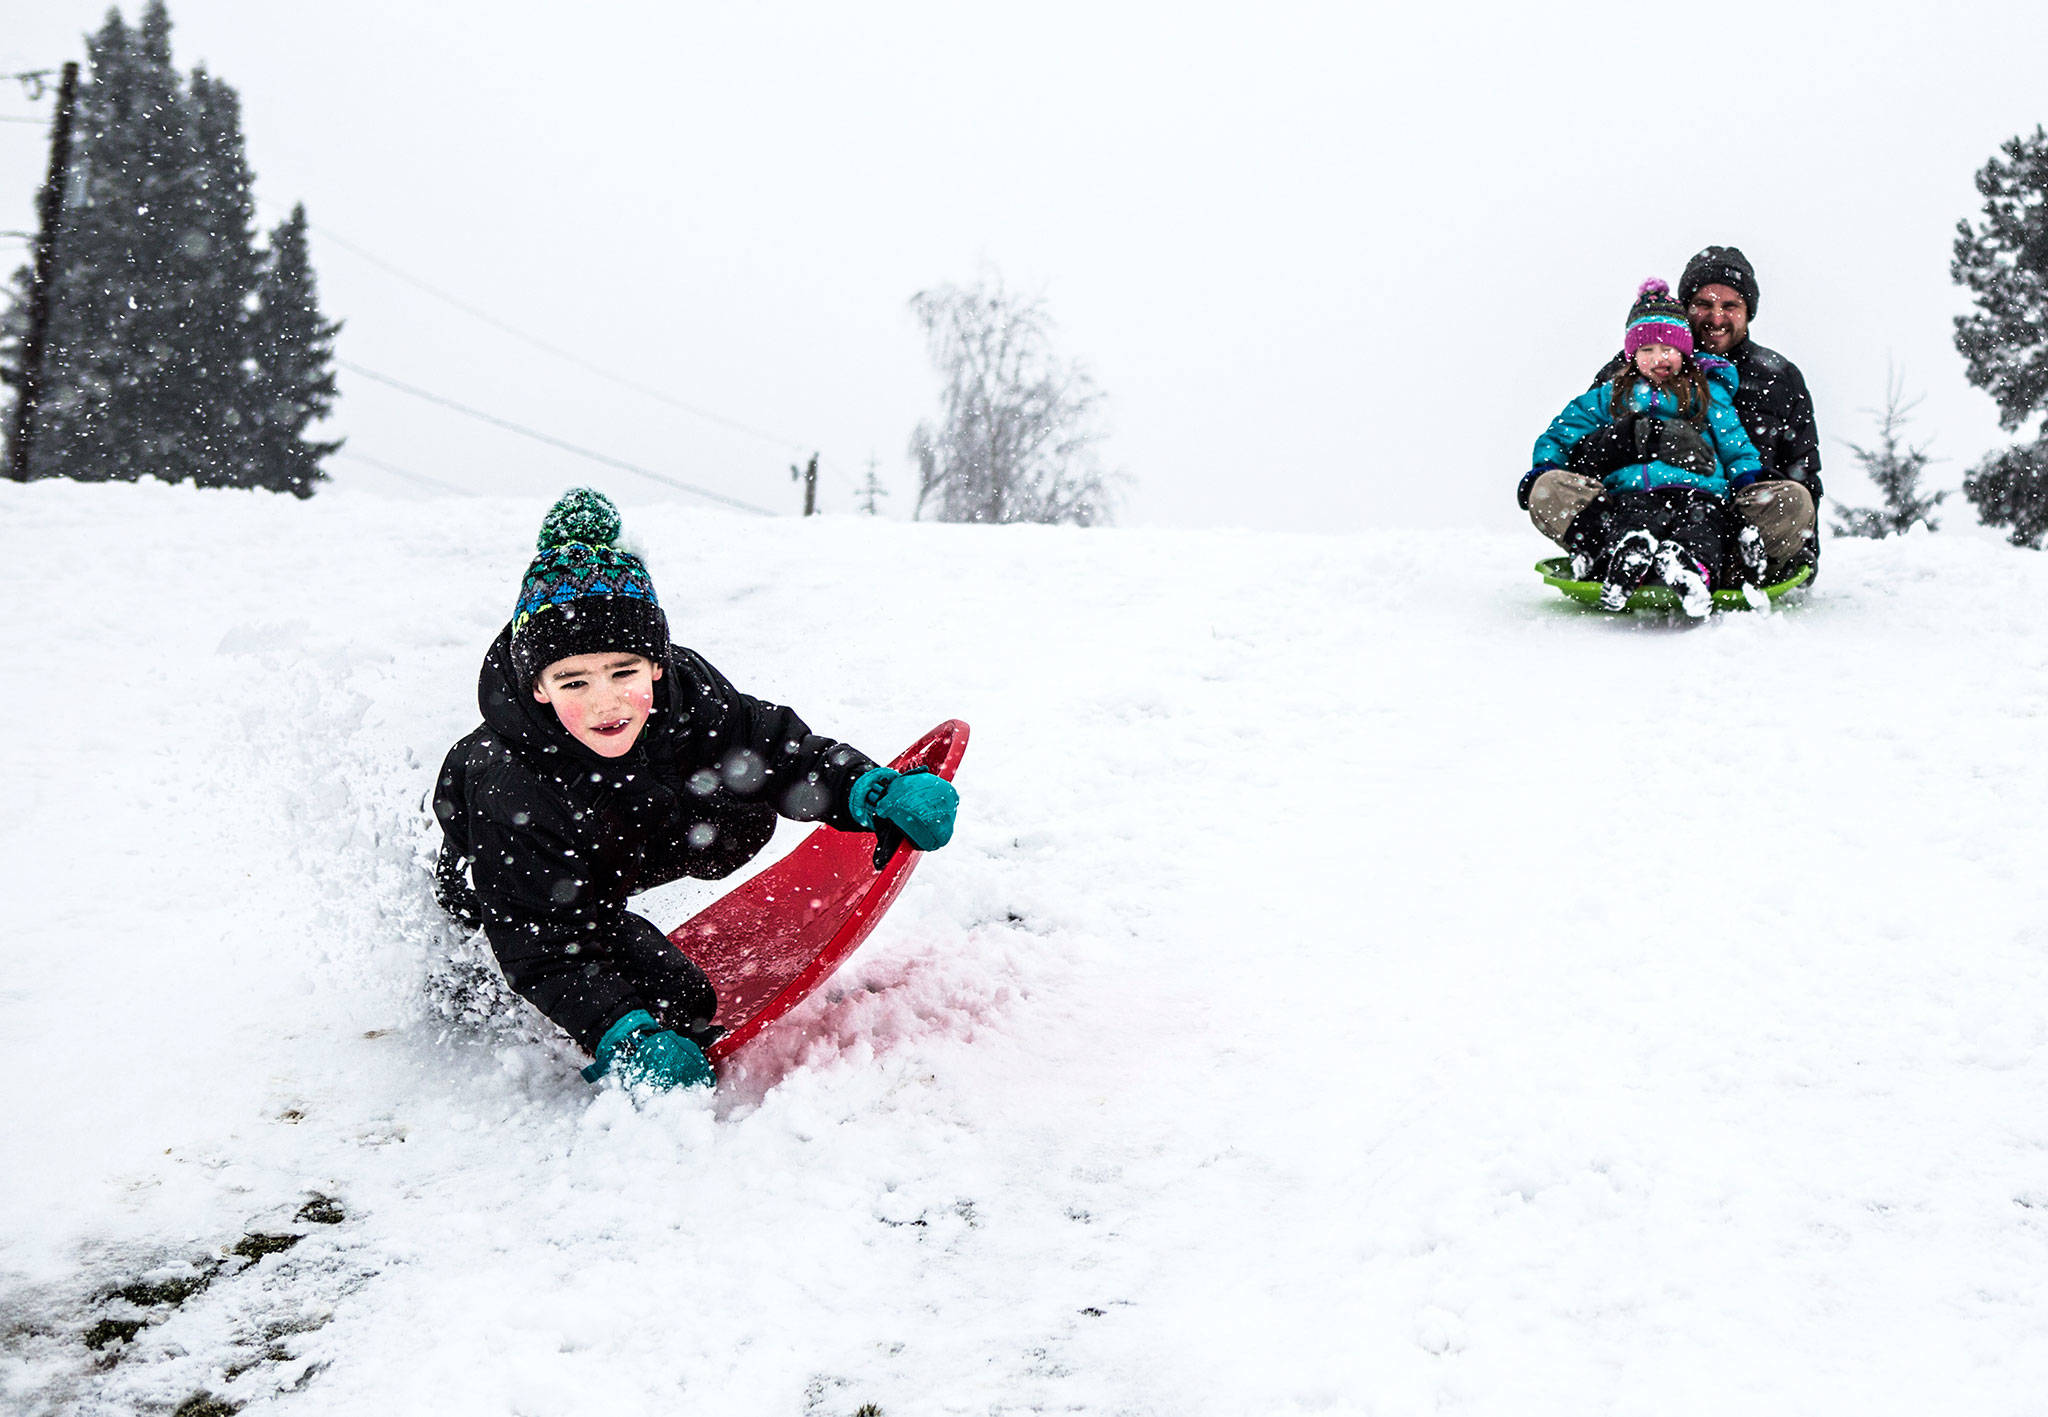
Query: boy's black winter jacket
{"points": [[555, 837]]}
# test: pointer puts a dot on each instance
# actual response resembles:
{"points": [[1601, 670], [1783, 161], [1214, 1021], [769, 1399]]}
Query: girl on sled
{"points": [[1664, 440]]}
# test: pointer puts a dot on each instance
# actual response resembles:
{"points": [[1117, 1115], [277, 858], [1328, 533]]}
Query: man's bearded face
{"points": [[1720, 319]]}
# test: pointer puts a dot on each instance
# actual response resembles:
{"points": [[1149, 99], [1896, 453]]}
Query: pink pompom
{"points": [[1652, 286]]}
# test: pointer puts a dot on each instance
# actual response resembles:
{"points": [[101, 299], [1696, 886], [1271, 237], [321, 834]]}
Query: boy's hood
{"points": [[529, 727]]}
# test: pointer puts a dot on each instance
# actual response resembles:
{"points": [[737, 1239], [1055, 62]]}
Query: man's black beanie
{"points": [[1719, 265]]}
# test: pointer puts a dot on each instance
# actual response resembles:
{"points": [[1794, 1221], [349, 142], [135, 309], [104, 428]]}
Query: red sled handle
{"points": [[767, 945]]}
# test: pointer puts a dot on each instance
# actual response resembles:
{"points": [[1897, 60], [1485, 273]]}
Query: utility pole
{"points": [[37, 336], [809, 476]]}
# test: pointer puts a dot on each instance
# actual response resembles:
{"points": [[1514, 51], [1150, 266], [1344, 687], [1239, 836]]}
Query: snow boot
{"points": [[1750, 563], [1630, 565], [1750, 559], [1686, 574]]}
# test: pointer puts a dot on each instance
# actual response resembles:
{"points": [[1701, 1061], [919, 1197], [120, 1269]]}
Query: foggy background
{"points": [[1335, 267]]}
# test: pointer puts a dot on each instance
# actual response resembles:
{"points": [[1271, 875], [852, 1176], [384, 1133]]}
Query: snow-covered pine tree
{"points": [[155, 363], [1016, 438], [84, 424], [222, 372], [112, 373], [2010, 489], [292, 355], [1896, 470], [2004, 263], [172, 250]]}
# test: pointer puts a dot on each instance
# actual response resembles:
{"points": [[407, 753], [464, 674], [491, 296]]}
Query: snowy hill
{"points": [[1362, 983]]}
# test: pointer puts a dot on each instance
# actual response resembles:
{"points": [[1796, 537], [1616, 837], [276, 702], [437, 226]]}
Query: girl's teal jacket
{"points": [[1735, 457]]}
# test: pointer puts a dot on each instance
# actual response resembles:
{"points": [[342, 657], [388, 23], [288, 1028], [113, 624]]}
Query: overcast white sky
{"points": [[1336, 266]]}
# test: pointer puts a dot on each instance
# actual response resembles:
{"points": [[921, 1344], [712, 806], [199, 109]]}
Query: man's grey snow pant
{"points": [[1782, 512]]}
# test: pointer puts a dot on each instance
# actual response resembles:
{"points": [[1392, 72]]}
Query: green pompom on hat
{"points": [[582, 594], [583, 514]]}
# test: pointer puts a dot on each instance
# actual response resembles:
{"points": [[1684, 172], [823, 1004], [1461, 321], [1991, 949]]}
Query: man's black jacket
{"points": [[555, 837]]}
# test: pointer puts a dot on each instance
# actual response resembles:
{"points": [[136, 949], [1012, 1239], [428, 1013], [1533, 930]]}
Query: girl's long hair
{"points": [[1689, 386]]}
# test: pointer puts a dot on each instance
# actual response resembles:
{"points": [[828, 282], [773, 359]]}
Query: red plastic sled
{"points": [[772, 941]]}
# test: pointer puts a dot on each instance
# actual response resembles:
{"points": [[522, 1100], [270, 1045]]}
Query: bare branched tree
{"points": [[1017, 436]]}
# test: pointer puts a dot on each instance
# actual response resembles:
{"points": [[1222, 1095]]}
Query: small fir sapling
{"points": [[1895, 468]]}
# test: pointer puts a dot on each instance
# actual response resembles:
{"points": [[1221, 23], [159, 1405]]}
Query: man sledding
{"points": [[1655, 460]]}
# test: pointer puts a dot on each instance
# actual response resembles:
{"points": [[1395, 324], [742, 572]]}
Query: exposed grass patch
{"points": [[205, 1404], [254, 1246], [107, 1332], [150, 1294], [322, 1210]]}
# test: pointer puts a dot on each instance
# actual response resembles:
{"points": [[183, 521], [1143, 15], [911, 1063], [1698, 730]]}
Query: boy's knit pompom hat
{"points": [[1656, 318], [582, 594]]}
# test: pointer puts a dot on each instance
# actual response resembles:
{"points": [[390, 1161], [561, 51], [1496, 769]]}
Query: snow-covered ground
{"points": [[1361, 983]]}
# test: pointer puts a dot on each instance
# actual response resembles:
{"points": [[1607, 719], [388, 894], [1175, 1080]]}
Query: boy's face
{"points": [[602, 699]]}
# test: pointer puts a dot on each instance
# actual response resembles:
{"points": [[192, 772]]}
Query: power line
{"points": [[549, 439], [556, 350], [407, 474], [827, 465]]}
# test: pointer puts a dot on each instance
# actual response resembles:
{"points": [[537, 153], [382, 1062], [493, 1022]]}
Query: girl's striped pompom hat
{"points": [[1656, 318]]}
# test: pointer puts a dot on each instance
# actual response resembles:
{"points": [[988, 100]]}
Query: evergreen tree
{"points": [[292, 354], [2004, 264], [221, 373], [94, 298], [142, 196], [2010, 489], [1896, 471], [155, 362]]}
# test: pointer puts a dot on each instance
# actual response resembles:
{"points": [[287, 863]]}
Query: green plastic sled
{"points": [[1557, 570]]}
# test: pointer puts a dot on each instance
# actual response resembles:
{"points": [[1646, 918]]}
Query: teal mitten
{"points": [[920, 804], [643, 1052]]}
